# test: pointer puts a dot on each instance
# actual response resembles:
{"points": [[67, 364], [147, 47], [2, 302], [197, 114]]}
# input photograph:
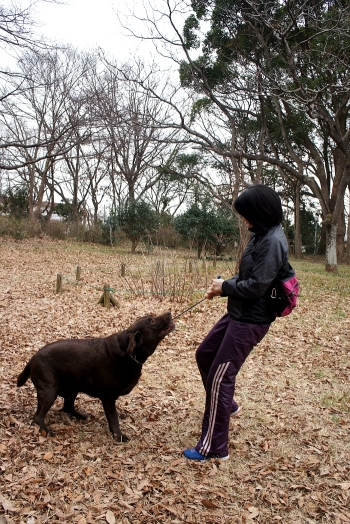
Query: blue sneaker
{"points": [[193, 454]]}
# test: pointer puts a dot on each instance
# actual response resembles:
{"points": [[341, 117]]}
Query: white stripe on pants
{"points": [[220, 372]]}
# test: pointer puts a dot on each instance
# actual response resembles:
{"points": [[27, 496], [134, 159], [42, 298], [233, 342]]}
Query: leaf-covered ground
{"points": [[289, 450]]}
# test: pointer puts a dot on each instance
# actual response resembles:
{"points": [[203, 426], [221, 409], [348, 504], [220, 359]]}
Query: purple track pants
{"points": [[219, 358]]}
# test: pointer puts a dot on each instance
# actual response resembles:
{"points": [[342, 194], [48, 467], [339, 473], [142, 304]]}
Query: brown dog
{"points": [[105, 368]]}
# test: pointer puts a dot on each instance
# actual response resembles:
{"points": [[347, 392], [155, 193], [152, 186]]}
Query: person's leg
{"points": [[208, 348], [239, 340]]}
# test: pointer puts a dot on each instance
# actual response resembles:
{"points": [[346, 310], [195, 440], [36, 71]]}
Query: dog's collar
{"points": [[134, 358]]}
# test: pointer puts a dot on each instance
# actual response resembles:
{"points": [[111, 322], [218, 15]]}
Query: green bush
{"points": [[94, 234], [136, 220], [15, 202], [208, 227]]}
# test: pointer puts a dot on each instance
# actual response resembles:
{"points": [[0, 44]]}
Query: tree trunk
{"points": [[322, 244], [341, 237], [244, 236], [331, 247], [347, 256], [40, 197], [297, 234], [31, 189], [134, 243], [51, 208], [95, 217]]}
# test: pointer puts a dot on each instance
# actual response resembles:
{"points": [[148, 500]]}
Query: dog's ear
{"points": [[135, 340]]}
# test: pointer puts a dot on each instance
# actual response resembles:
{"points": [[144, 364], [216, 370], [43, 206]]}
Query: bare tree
{"points": [[40, 125], [17, 27], [127, 120], [18, 35], [83, 178]]}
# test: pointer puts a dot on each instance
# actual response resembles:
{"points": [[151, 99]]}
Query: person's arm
{"points": [[269, 259], [215, 289]]}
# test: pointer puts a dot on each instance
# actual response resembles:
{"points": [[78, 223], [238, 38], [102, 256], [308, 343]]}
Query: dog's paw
{"points": [[41, 430], [120, 438]]}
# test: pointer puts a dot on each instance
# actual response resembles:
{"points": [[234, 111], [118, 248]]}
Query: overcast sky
{"points": [[87, 24]]}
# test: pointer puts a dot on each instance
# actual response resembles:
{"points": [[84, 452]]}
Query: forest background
{"points": [[242, 92]]}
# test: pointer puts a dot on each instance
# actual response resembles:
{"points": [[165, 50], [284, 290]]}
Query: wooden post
{"points": [[113, 300], [59, 283], [159, 276], [106, 297], [78, 274], [122, 270]]}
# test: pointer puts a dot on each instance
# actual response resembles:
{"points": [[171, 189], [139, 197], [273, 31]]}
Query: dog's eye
{"points": [[151, 320]]}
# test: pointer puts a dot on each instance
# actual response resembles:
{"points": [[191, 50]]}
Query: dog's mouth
{"points": [[167, 330]]}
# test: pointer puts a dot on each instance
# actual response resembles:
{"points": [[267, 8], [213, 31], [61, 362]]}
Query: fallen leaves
{"points": [[251, 513], [209, 504], [110, 518], [289, 450], [7, 505]]}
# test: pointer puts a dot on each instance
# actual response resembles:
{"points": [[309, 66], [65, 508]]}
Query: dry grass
{"points": [[289, 449]]}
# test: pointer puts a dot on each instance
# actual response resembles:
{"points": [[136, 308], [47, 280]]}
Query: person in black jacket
{"points": [[249, 316]]}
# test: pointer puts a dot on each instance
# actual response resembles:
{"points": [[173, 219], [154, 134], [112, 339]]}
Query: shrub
{"points": [[15, 202], [19, 228], [208, 227], [167, 236], [56, 229]]}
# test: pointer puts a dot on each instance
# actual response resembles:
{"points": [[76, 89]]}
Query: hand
{"points": [[215, 289]]}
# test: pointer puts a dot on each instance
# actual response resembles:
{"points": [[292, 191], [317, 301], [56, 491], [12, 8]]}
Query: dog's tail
{"points": [[23, 377]]}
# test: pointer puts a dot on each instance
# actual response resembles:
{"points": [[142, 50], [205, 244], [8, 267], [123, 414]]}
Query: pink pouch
{"points": [[284, 296]]}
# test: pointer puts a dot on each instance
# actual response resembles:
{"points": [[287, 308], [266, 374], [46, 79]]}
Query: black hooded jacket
{"points": [[264, 259]]}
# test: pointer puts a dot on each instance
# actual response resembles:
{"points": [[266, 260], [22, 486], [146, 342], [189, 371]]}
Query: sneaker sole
{"points": [[223, 459], [218, 459], [237, 413]]}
